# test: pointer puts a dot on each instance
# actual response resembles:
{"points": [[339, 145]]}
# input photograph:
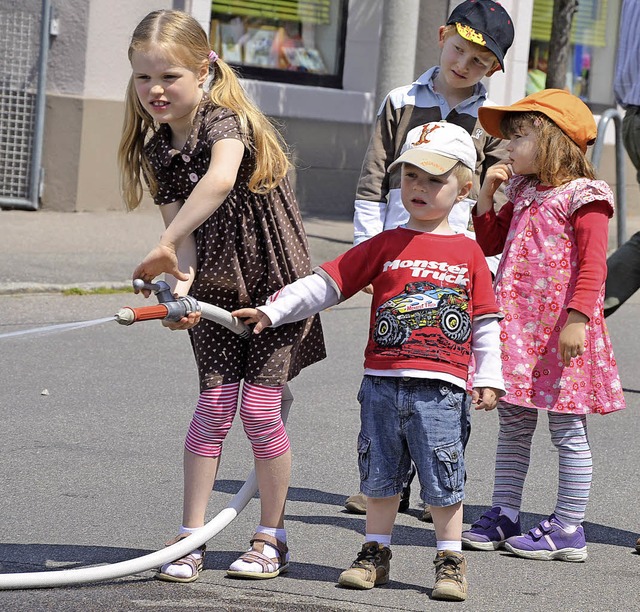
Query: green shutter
{"points": [[589, 22], [306, 11]]}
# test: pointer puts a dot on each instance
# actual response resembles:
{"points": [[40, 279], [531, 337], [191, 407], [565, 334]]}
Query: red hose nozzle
{"points": [[128, 315], [169, 311]]}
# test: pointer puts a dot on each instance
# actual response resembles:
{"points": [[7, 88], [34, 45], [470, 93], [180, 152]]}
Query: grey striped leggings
{"points": [[569, 436]]}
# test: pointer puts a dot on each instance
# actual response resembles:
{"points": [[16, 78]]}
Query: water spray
{"points": [[54, 329], [169, 308]]}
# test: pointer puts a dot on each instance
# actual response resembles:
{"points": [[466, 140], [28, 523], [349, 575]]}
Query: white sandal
{"points": [[195, 563], [271, 567]]}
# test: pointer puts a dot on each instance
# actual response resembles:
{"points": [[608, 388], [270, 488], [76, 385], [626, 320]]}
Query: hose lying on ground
{"points": [[83, 575]]}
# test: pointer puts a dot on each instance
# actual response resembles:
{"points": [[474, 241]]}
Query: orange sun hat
{"points": [[567, 111]]}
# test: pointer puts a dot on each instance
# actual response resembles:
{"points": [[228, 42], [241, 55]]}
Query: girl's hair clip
{"points": [[213, 57]]}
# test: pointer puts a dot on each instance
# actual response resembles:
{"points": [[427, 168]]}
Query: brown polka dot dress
{"points": [[250, 247]]}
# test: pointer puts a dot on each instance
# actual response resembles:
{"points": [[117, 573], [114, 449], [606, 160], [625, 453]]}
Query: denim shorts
{"points": [[405, 419]]}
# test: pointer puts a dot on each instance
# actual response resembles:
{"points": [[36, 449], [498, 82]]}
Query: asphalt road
{"points": [[93, 421]]}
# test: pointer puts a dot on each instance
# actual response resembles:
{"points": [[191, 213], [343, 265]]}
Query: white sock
{"points": [[182, 571], [454, 545], [274, 532], [567, 527], [510, 513], [269, 551], [380, 538]]}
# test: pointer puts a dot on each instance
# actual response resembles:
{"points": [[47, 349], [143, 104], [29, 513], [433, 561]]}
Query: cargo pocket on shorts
{"points": [[363, 456], [450, 466]]}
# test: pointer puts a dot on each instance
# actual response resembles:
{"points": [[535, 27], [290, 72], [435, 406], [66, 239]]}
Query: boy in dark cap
{"points": [[473, 45]]}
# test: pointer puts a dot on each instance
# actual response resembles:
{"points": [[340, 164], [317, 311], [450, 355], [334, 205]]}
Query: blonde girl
{"points": [[217, 169], [556, 351]]}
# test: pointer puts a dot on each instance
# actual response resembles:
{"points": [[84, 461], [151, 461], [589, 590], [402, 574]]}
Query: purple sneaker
{"points": [[550, 541], [490, 531]]}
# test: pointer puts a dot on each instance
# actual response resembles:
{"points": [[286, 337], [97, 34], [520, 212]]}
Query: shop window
{"points": [[292, 41], [588, 37]]}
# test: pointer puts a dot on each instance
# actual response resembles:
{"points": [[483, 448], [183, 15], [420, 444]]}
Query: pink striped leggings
{"points": [[260, 412], [569, 436]]}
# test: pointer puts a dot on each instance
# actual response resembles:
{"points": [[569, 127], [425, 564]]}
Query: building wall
{"points": [[327, 161], [508, 86], [68, 51], [87, 77], [327, 130], [109, 25], [62, 152]]}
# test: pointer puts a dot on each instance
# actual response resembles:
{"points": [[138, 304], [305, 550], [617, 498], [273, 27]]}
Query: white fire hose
{"points": [[83, 575]]}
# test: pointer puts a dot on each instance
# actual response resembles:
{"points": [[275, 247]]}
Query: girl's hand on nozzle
{"points": [[485, 398], [252, 316], [191, 320], [160, 259]]}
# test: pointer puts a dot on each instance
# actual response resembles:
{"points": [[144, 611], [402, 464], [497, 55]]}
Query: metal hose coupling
{"points": [[171, 308]]}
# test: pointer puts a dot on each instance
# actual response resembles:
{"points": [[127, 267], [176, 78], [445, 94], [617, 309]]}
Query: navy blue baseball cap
{"points": [[485, 23]]}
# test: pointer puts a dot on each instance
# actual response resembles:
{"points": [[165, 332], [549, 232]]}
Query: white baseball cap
{"points": [[437, 147]]}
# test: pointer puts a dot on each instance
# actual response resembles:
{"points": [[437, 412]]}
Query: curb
{"points": [[33, 288]]}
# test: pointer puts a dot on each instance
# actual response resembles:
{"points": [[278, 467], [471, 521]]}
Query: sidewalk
{"points": [[46, 251]]}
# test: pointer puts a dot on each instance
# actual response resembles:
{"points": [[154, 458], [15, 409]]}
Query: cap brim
{"points": [[491, 117], [433, 163]]}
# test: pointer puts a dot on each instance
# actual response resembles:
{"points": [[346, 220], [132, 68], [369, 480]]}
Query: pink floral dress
{"points": [[534, 284]]}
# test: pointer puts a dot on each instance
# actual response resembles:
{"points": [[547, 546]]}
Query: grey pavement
{"points": [[44, 251], [93, 422]]}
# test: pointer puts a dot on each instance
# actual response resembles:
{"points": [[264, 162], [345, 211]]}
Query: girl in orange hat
{"points": [[556, 352]]}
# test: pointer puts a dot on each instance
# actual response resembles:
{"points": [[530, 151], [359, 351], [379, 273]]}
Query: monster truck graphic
{"points": [[422, 304]]}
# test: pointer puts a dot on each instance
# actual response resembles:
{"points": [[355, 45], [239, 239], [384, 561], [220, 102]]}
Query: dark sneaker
{"points": [[356, 504], [490, 531], [451, 576], [371, 567], [638, 545], [550, 541], [426, 517], [405, 497]]}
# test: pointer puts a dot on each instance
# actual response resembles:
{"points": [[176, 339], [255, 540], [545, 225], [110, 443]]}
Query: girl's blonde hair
{"points": [[184, 40], [559, 158]]}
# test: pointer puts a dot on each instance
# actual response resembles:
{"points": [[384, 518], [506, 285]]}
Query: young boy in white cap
{"points": [[433, 306], [473, 43]]}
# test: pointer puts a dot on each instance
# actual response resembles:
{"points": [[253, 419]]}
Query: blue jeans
{"points": [[411, 419]]}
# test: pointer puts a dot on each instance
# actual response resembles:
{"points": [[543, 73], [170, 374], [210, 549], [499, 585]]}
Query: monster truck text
{"points": [[436, 270]]}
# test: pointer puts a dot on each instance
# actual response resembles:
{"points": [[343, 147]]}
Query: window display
{"points": [[588, 37], [294, 41]]}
